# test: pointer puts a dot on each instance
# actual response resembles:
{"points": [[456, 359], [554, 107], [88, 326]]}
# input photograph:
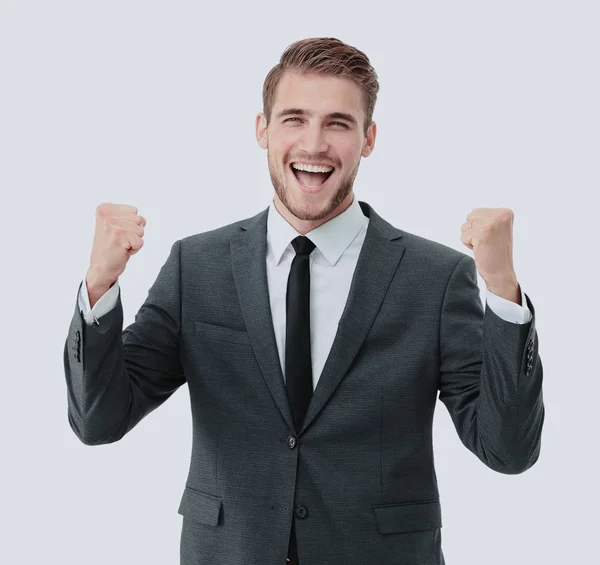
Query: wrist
{"points": [[96, 285], [507, 288]]}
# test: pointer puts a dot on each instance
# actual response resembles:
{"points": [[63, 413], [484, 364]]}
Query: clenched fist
{"points": [[118, 236]]}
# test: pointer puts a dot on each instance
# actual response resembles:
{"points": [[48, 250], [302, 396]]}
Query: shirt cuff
{"points": [[105, 303], [507, 309]]}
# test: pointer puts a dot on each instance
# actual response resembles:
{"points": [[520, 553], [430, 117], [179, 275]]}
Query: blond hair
{"points": [[324, 56]]}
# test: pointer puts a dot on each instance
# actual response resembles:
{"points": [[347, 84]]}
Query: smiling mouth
{"points": [[310, 180]]}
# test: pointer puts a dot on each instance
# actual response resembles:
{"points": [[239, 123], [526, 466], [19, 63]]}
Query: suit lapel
{"points": [[248, 261], [377, 263]]}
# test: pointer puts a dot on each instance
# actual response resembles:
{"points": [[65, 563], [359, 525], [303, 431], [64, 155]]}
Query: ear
{"points": [[261, 130], [370, 140]]}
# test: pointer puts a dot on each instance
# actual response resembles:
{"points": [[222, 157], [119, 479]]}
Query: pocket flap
{"points": [[200, 506], [408, 517], [222, 333]]}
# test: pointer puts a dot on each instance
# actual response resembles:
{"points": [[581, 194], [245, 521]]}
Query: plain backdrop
{"points": [[152, 104]]}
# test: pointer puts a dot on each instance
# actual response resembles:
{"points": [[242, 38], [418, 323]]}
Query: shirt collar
{"points": [[331, 238]]}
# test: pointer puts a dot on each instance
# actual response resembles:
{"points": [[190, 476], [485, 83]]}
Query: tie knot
{"points": [[303, 245]]}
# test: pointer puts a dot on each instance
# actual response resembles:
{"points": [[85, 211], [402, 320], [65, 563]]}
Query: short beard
{"points": [[282, 192]]}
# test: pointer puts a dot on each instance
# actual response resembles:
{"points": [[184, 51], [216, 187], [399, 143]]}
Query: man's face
{"points": [[305, 131]]}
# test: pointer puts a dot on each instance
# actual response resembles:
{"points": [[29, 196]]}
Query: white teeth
{"points": [[312, 168]]}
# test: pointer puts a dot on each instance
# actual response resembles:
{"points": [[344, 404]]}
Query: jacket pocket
{"points": [[200, 506], [221, 333], [408, 517]]}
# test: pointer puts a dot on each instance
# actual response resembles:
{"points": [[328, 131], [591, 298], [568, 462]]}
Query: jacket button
{"points": [[301, 511], [291, 442]]}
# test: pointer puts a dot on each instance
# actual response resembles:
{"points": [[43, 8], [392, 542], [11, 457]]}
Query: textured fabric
{"points": [[359, 477], [332, 264]]}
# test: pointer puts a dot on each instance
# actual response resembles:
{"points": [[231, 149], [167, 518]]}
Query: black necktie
{"points": [[298, 365], [298, 361]]}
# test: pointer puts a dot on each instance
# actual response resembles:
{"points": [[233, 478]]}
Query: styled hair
{"points": [[324, 56]]}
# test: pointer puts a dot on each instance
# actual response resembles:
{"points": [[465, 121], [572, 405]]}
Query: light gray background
{"points": [[482, 104]]}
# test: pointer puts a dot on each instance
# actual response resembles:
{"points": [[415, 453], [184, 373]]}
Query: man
{"points": [[313, 337]]}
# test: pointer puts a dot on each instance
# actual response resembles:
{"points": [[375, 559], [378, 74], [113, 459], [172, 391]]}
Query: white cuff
{"points": [[105, 304], [509, 310]]}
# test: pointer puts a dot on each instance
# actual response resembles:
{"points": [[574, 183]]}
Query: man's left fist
{"points": [[488, 232]]}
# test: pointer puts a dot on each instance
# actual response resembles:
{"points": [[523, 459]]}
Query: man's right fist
{"points": [[117, 237]]}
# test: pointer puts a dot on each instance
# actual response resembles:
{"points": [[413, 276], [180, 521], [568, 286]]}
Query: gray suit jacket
{"points": [[360, 476]]}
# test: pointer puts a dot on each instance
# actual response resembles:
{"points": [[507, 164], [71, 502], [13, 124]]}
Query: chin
{"points": [[309, 207]]}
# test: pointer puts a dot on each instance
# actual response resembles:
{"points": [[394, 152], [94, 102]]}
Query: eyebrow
{"points": [[332, 115]]}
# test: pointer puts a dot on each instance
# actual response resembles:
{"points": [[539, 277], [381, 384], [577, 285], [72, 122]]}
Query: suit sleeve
{"points": [[116, 377], [490, 376]]}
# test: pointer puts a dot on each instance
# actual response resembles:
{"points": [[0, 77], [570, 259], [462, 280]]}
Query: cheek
{"points": [[280, 150], [351, 155], [347, 150]]}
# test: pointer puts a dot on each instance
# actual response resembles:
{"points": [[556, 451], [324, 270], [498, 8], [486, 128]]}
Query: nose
{"points": [[313, 140]]}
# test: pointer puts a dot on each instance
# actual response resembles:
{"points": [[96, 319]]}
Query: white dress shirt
{"points": [[338, 243]]}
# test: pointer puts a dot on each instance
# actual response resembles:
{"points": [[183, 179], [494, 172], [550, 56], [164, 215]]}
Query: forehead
{"points": [[318, 93]]}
